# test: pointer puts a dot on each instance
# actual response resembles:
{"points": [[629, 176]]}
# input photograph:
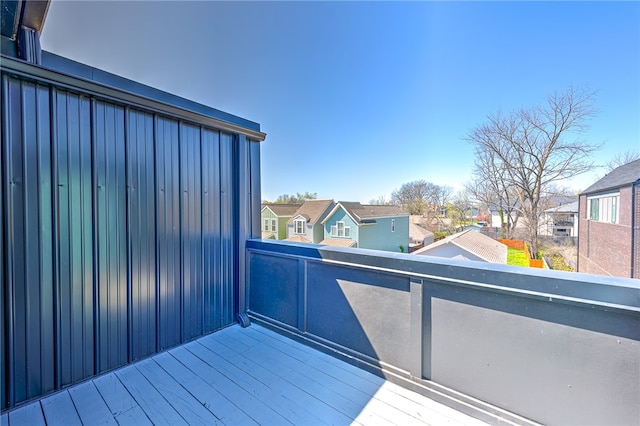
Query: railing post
{"points": [[302, 295], [415, 346]]}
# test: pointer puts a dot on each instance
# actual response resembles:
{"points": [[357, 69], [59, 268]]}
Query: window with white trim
{"points": [[393, 225], [266, 225], [298, 226], [273, 225], [340, 230], [604, 208]]}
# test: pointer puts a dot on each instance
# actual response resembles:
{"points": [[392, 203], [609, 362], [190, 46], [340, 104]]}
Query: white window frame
{"points": [[298, 226], [604, 208], [393, 225], [273, 225], [265, 226], [340, 230]]}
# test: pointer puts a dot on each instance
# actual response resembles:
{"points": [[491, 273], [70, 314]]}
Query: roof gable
{"points": [[282, 210], [622, 176], [363, 214], [313, 210]]}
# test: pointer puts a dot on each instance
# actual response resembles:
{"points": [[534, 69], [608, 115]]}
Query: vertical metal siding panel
{"points": [[29, 260], [227, 227], [168, 232], [75, 259], [244, 216], [254, 152], [211, 230], [191, 231], [142, 233], [4, 107], [111, 249]]}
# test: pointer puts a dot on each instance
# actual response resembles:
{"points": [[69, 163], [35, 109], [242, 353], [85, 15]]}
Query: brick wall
{"points": [[605, 248]]}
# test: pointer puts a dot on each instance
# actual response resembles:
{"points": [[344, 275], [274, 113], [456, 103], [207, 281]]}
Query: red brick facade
{"points": [[606, 248]]}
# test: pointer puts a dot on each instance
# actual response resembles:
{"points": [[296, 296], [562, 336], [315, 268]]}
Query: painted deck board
{"points": [[124, 408], [238, 376], [30, 414], [90, 406], [155, 406], [58, 409]]}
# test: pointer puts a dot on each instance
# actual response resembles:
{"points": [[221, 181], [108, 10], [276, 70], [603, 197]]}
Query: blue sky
{"points": [[358, 98]]}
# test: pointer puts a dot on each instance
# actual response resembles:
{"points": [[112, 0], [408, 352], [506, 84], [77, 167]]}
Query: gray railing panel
{"points": [[556, 348], [366, 311], [274, 290]]}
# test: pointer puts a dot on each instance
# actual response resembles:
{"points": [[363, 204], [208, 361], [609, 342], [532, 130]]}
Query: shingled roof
{"points": [[366, 213], [312, 210], [618, 177], [283, 209], [486, 248]]}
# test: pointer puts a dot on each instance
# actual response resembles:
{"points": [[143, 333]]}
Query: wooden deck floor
{"points": [[237, 376]]}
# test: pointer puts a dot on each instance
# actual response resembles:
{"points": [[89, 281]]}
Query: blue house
{"points": [[352, 224]]}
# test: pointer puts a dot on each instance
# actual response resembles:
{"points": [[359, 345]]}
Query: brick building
{"points": [[609, 230]]}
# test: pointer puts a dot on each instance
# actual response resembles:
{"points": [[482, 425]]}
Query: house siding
{"points": [[605, 248], [341, 216], [380, 237], [122, 228]]}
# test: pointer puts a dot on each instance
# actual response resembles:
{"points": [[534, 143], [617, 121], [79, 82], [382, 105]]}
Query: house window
{"points": [[339, 230], [298, 226], [604, 208], [273, 225], [393, 225], [266, 225]]}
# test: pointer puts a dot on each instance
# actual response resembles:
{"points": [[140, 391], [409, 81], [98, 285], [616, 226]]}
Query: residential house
{"points": [[609, 231], [274, 218], [467, 245], [305, 226], [419, 236], [560, 221], [367, 226]]}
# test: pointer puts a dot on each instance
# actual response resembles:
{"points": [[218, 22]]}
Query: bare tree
{"points": [[296, 199], [380, 201], [413, 197], [621, 159], [532, 149], [422, 198]]}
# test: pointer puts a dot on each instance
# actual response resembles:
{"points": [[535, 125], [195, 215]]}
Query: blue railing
{"points": [[492, 340]]}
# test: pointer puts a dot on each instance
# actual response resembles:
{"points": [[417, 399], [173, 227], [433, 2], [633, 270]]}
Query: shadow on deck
{"points": [[237, 376]]}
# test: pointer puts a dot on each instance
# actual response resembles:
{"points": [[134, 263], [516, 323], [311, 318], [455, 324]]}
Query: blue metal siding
{"points": [[119, 233], [212, 279], [75, 291], [168, 232], [27, 152], [142, 232], [111, 234], [191, 231], [228, 223]]}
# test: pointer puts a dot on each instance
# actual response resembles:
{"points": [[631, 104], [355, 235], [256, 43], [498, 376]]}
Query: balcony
{"points": [[352, 336], [238, 376], [125, 257]]}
